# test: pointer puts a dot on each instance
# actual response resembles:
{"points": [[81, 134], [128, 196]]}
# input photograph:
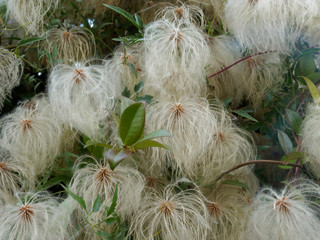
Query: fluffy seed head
{"points": [[73, 45], [288, 214], [11, 70], [81, 96], [31, 134], [261, 25], [31, 13], [97, 178], [169, 214], [189, 120], [176, 54], [33, 216], [311, 137]]}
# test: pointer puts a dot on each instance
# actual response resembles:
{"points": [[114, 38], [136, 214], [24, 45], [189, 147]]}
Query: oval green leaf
{"points": [[132, 123], [313, 90]]}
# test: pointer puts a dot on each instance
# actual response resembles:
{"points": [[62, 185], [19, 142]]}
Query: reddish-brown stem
{"points": [[257, 162], [239, 61]]}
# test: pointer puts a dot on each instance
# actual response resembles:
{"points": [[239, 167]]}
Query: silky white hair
{"points": [[261, 75], [261, 25], [31, 13], [81, 95], [311, 137], [227, 207], [31, 134], [11, 69], [224, 52], [119, 69], [96, 177], [291, 213], [170, 214], [73, 45], [33, 216], [190, 121], [176, 54]]}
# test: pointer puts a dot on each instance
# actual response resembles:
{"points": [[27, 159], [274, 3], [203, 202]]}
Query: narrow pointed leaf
{"points": [[156, 134], [114, 202], [93, 143], [313, 90], [285, 142], [77, 198], [123, 13], [149, 143], [295, 120], [97, 204], [245, 114]]}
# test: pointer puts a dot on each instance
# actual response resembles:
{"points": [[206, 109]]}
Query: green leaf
{"points": [[236, 183], [138, 87], [116, 156], [149, 143], [306, 65], [53, 181], [97, 204], [126, 92], [125, 102], [156, 134], [77, 198], [124, 13], [290, 158], [133, 69], [115, 118], [110, 220], [313, 90], [295, 120], [114, 202], [139, 21], [314, 77], [29, 41], [246, 115], [132, 124], [285, 142], [97, 144], [68, 154], [144, 98], [227, 101]]}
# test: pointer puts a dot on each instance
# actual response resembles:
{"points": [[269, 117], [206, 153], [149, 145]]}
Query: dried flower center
{"points": [[166, 208], [66, 35], [127, 59], [213, 209], [30, 105], [176, 35], [252, 63], [282, 205], [179, 12], [150, 182], [26, 124], [103, 175], [3, 167], [220, 136], [253, 1], [79, 76], [149, 3], [26, 212], [177, 110]]}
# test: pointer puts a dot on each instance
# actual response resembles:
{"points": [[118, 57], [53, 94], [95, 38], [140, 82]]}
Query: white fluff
{"points": [[291, 213], [192, 124], [11, 69], [311, 137], [169, 214], [34, 216], [73, 45], [81, 95], [97, 178], [31, 134], [224, 52], [261, 25], [176, 54], [31, 13]]}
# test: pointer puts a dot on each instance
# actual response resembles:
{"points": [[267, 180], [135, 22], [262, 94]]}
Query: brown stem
{"points": [[239, 61], [256, 162]]}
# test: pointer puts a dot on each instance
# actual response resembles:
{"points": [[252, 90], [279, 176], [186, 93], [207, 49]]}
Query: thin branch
{"points": [[257, 162], [239, 61]]}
